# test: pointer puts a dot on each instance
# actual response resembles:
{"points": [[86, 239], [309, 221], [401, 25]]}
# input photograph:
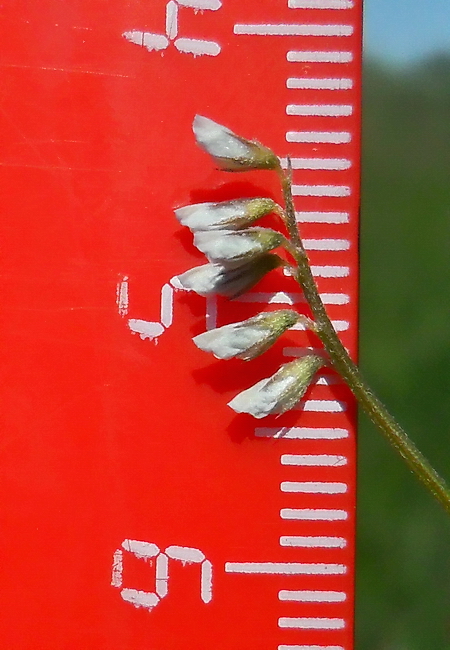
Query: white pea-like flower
{"points": [[231, 151], [249, 338], [281, 392], [228, 281], [236, 247], [225, 215]]}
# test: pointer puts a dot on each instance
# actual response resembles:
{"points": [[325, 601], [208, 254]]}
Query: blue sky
{"points": [[401, 31]]}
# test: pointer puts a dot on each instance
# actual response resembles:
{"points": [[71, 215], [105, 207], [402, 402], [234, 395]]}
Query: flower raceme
{"points": [[230, 281], [281, 392], [239, 257], [225, 215], [238, 271], [232, 152], [249, 338], [236, 247]]}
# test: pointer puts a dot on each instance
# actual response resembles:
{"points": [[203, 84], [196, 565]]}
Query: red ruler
{"points": [[139, 511]]}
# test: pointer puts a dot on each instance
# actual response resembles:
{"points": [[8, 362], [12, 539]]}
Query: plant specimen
{"points": [[239, 255]]}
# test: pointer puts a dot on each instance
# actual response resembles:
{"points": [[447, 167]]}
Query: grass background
{"points": [[403, 585]]}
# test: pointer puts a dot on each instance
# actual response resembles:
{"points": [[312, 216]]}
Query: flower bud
{"points": [[236, 247], [281, 392], [228, 281], [232, 152], [249, 338], [226, 215]]}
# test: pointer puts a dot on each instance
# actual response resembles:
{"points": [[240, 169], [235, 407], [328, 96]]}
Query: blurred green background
{"points": [[403, 583]]}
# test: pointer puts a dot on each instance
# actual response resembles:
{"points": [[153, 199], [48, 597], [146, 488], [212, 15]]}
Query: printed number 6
{"points": [[147, 550]]}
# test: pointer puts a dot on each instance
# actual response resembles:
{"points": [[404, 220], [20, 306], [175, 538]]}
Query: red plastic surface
{"points": [[108, 436]]}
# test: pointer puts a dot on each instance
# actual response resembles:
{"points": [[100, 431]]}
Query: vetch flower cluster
{"points": [[239, 255]]}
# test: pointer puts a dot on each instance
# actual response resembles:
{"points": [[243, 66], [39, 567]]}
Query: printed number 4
{"points": [[156, 42], [147, 550]]}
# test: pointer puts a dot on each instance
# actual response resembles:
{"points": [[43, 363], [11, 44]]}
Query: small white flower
{"points": [[236, 247], [225, 215], [281, 392], [202, 279], [228, 281], [232, 152], [249, 338]]}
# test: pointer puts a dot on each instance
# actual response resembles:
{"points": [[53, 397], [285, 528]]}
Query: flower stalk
{"points": [[345, 366]]}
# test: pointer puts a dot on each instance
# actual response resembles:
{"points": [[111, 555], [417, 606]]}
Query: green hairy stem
{"points": [[342, 362]]}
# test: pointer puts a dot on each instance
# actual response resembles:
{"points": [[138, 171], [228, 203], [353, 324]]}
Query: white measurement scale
{"points": [[194, 528], [313, 47]]}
